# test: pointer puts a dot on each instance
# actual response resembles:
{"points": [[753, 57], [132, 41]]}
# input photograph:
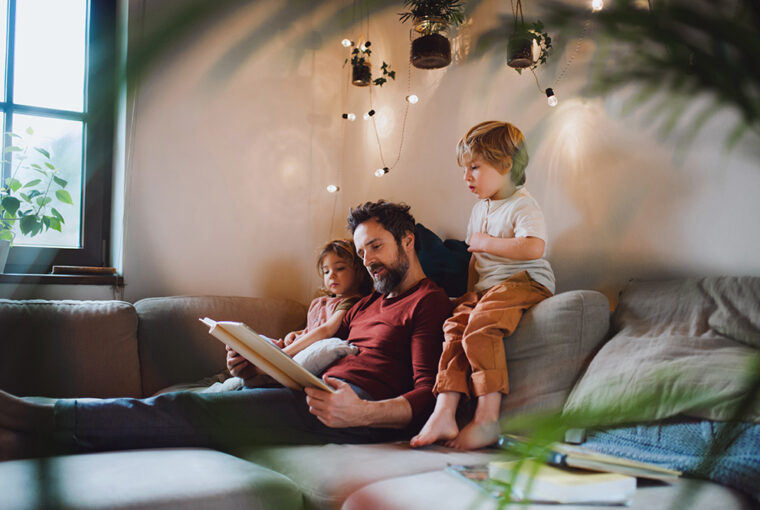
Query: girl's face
{"points": [[339, 275]]}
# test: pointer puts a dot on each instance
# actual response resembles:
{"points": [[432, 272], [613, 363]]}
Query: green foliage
{"points": [[535, 32], [360, 58], [450, 11], [27, 207]]}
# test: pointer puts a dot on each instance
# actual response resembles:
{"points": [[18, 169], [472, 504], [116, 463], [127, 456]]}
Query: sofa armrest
{"points": [[175, 347], [551, 346], [69, 348]]}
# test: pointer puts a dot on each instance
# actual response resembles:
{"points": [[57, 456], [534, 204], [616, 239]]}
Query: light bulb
{"points": [[346, 43], [412, 99], [597, 5], [351, 117], [332, 188], [369, 114], [381, 171], [551, 98]]}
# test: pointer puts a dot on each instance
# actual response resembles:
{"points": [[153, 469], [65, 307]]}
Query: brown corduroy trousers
{"points": [[473, 360]]}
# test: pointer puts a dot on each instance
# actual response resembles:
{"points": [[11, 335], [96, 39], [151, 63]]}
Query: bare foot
{"points": [[437, 428], [23, 416], [476, 435]]}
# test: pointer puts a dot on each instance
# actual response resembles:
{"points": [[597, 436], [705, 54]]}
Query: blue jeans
{"points": [[227, 420]]}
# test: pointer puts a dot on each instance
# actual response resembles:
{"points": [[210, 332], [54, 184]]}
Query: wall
{"points": [[229, 150]]}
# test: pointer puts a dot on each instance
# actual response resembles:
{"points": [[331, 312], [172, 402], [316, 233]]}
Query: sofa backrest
{"points": [[175, 347], [69, 348]]}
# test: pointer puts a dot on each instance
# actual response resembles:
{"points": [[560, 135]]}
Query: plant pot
{"points": [[361, 75], [432, 49], [5, 247], [520, 50]]}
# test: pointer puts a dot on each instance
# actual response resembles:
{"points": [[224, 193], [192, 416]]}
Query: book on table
{"points": [[572, 456], [264, 354]]}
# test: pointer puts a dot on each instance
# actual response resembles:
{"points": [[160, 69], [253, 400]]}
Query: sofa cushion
{"points": [[69, 348], [149, 479], [665, 359], [175, 347], [328, 474], [549, 349]]}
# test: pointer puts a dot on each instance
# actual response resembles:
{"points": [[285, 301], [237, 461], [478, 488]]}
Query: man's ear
{"points": [[408, 241]]}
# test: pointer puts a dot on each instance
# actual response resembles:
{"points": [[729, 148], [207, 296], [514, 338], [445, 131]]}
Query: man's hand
{"points": [[478, 242], [337, 410], [240, 367]]}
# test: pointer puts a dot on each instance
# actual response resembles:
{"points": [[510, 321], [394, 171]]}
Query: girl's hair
{"points": [[495, 142], [344, 249]]}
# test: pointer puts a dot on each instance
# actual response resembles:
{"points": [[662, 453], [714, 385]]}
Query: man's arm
{"points": [[515, 248], [345, 409]]}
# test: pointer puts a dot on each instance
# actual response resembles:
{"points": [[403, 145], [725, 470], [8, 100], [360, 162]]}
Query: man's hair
{"points": [[495, 142], [395, 218]]}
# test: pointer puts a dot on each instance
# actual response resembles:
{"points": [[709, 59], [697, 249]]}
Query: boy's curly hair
{"points": [[395, 218], [344, 249], [496, 142]]}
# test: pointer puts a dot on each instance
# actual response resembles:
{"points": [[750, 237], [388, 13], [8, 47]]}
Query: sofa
{"points": [[102, 349]]}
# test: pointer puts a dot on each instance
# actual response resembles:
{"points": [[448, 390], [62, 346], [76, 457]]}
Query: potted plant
{"points": [[28, 196], [430, 18], [524, 42], [361, 67]]}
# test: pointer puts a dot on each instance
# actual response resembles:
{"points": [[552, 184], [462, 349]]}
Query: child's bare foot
{"points": [[442, 424], [476, 435], [437, 428]]}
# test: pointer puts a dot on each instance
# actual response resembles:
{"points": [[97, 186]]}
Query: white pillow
{"points": [[320, 355]]}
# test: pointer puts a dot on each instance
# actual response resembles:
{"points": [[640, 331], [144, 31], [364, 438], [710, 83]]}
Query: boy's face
{"points": [[485, 180]]}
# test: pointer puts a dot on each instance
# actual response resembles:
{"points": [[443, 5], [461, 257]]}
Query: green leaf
{"points": [[28, 224], [43, 201], [50, 165], [13, 184], [10, 204], [34, 193], [64, 196], [25, 197], [29, 130], [32, 183], [6, 235], [55, 213], [61, 182], [46, 222], [55, 224], [13, 148], [43, 152]]}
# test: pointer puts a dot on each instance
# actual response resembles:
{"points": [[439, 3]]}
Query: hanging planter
{"points": [[361, 67], [520, 54], [431, 48], [528, 45]]}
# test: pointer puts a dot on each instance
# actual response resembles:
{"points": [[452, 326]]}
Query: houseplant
{"points": [[361, 67], [28, 195], [430, 18], [523, 41]]}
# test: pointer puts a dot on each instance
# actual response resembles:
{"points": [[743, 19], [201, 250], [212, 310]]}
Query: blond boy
{"points": [[507, 275]]}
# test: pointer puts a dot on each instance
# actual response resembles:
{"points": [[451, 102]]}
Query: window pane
{"points": [[3, 38], [50, 53], [62, 139]]}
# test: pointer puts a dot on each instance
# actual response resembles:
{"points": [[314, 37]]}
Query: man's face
{"points": [[385, 260]]}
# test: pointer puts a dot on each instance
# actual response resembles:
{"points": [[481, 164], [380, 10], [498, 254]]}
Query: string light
{"points": [[412, 99], [332, 188], [597, 5], [551, 98], [347, 43], [381, 171], [349, 116], [369, 114], [365, 45]]}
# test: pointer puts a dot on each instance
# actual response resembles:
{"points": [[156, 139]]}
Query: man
{"points": [[384, 392]]}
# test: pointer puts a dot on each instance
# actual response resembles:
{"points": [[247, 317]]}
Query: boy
{"points": [[507, 275]]}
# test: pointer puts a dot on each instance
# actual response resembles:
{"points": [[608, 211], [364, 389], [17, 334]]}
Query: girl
{"points": [[345, 280]]}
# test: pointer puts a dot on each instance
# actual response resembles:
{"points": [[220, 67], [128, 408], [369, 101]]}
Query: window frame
{"points": [[97, 143]]}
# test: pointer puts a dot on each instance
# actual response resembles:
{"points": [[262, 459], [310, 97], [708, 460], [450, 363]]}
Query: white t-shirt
{"points": [[516, 216]]}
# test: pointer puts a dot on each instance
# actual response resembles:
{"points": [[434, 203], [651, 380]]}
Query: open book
{"points": [[264, 354]]}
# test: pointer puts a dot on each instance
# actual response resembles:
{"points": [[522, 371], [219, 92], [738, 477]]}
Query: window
{"points": [[58, 85]]}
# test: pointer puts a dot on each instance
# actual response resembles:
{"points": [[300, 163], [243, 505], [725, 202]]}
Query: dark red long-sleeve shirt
{"points": [[399, 342]]}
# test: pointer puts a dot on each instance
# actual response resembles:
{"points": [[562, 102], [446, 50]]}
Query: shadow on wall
{"points": [[612, 201], [281, 278]]}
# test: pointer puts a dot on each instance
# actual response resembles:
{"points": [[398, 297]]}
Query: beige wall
{"points": [[226, 167]]}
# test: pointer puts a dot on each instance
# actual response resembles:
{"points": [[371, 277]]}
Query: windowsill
{"points": [[63, 279]]}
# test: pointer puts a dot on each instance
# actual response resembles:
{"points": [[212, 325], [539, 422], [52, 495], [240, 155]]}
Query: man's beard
{"points": [[393, 275]]}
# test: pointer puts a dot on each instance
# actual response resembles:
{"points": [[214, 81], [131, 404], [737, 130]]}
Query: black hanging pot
{"points": [[361, 74], [432, 49], [520, 49]]}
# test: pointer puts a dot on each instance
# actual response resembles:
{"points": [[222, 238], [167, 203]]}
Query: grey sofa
{"points": [[105, 349]]}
